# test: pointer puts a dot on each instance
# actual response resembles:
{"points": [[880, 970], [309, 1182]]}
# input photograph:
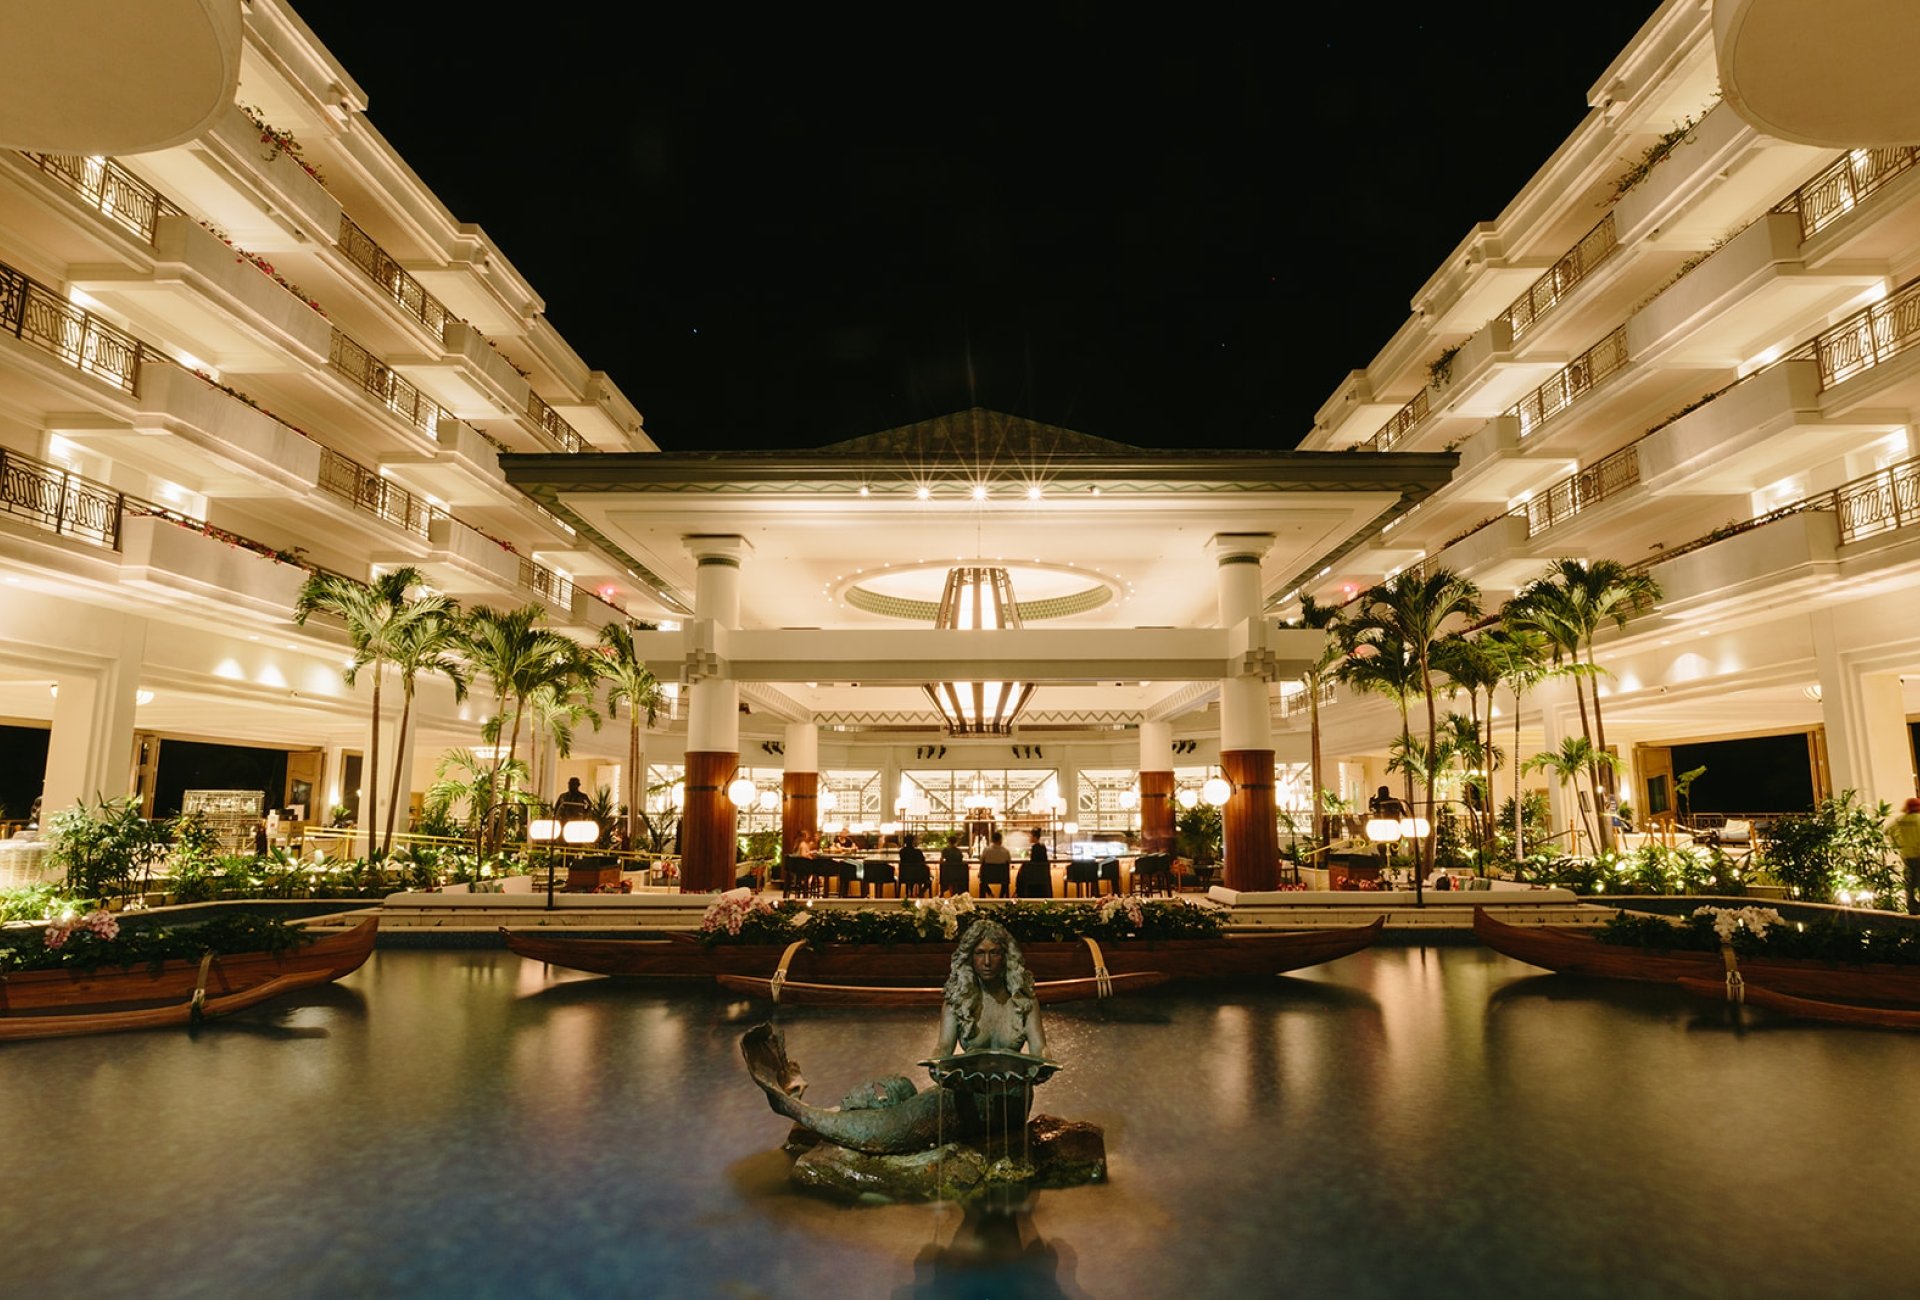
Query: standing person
{"points": [[575, 805], [953, 870], [1904, 831], [1036, 874], [260, 841], [996, 867]]}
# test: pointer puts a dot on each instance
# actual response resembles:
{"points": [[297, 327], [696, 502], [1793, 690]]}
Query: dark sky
{"points": [[1177, 226]]}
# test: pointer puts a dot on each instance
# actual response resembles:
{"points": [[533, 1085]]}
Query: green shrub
{"points": [[1839, 851]]}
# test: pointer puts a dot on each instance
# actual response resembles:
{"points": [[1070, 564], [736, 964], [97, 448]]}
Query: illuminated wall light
{"points": [[979, 491], [865, 490], [1033, 493], [922, 494]]}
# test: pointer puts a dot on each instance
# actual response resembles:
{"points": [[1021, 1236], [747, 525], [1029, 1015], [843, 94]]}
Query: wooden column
{"points": [[1156, 812], [1250, 841], [799, 808], [707, 846]]}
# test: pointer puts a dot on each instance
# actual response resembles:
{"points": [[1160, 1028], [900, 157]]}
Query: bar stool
{"points": [[1153, 874], [1083, 877]]}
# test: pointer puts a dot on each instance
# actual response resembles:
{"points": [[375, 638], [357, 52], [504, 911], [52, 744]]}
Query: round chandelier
{"points": [[978, 597]]}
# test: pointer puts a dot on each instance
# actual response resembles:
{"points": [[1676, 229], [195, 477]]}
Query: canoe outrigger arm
{"points": [[1736, 984]]}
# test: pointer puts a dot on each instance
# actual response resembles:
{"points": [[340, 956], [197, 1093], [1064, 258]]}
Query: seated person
{"points": [[996, 868], [953, 870], [1036, 874], [843, 843], [914, 876]]}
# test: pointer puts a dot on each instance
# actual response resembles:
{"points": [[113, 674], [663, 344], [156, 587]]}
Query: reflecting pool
{"points": [[1409, 1121]]}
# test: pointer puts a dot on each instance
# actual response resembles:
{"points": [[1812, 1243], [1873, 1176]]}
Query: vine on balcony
{"points": [[1656, 153], [265, 268], [279, 141]]}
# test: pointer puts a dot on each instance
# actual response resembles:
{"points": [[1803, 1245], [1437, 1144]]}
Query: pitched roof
{"points": [[980, 436]]}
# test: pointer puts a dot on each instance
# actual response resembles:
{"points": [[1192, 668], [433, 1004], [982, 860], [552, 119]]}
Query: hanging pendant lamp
{"points": [[978, 597]]}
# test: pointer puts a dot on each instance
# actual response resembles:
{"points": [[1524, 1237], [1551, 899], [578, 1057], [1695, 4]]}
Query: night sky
{"points": [[781, 228]]}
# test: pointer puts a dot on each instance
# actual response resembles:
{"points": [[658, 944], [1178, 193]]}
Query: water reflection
{"points": [[1404, 1121]]}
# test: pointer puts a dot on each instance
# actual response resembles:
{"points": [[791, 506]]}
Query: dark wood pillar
{"points": [[1156, 812], [1250, 841], [799, 808], [708, 848]]}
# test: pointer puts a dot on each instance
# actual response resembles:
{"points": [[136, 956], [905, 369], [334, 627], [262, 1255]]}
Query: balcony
{"points": [[263, 196], [1494, 466], [465, 471], [1572, 383], [592, 613], [1497, 554], [181, 557], [1869, 338], [56, 501], [1584, 492], [1349, 417], [1401, 426], [41, 319], [1883, 502], [390, 282], [469, 565], [1749, 292], [109, 189], [190, 431], [469, 379], [547, 422], [1780, 558], [1708, 182], [1850, 181], [1551, 289], [368, 494], [219, 305], [1485, 378], [1293, 704], [373, 377]]}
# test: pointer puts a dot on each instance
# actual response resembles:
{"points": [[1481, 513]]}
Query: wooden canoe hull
{"points": [[328, 957], [801, 994], [1573, 952], [1838, 1013], [17, 1028], [683, 956]]}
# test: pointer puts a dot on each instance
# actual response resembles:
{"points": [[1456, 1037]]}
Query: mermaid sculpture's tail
{"points": [[914, 1124]]}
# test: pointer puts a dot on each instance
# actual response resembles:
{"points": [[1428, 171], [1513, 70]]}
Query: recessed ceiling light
{"points": [[922, 493], [979, 491], [1033, 493], [864, 490]]}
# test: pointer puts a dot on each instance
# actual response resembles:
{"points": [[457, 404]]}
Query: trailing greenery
{"points": [[1824, 940], [86, 949], [909, 923]]}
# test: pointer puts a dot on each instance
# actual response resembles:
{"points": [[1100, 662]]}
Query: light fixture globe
{"points": [[978, 598], [828, 801], [769, 800], [742, 792], [1216, 791], [1189, 798]]}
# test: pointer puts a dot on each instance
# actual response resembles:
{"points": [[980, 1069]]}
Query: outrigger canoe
{"points": [[36, 996], [1839, 1013], [1577, 952], [801, 993], [1240, 955], [192, 1011]]}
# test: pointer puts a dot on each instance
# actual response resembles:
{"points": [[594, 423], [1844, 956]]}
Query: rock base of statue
{"points": [[1056, 1153]]}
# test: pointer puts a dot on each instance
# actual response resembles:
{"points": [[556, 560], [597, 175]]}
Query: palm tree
{"points": [[1414, 609], [1576, 755], [463, 777], [517, 657], [1523, 658], [1571, 603], [629, 682], [425, 645], [1469, 666], [377, 616], [1376, 663], [556, 708]]}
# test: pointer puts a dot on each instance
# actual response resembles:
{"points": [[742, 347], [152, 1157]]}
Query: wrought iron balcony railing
{"points": [[59, 500], [108, 188], [373, 377], [1869, 338], [37, 315], [1583, 490], [1845, 184], [370, 494], [544, 582], [553, 427], [1579, 378], [1293, 704], [1879, 502], [1403, 420], [1595, 247], [392, 279]]}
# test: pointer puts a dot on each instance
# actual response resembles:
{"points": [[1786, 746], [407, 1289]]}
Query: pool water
{"points": [[1408, 1121]]}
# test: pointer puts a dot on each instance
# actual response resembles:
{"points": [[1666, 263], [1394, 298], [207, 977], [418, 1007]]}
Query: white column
{"points": [[802, 747], [1866, 720], [1559, 718], [1245, 715], [1156, 746], [713, 712], [90, 750]]}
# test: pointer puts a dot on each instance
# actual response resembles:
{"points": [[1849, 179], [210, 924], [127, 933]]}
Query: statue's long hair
{"points": [[963, 992]]}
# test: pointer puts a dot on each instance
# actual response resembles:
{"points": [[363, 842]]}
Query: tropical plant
{"points": [[1839, 851], [1319, 669], [109, 850], [426, 644], [1523, 658], [472, 789], [556, 708], [1413, 612], [1197, 834], [1377, 663], [630, 682], [1683, 792], [377, 615], [1570, 604], [1576, 756], [518, 658]]}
